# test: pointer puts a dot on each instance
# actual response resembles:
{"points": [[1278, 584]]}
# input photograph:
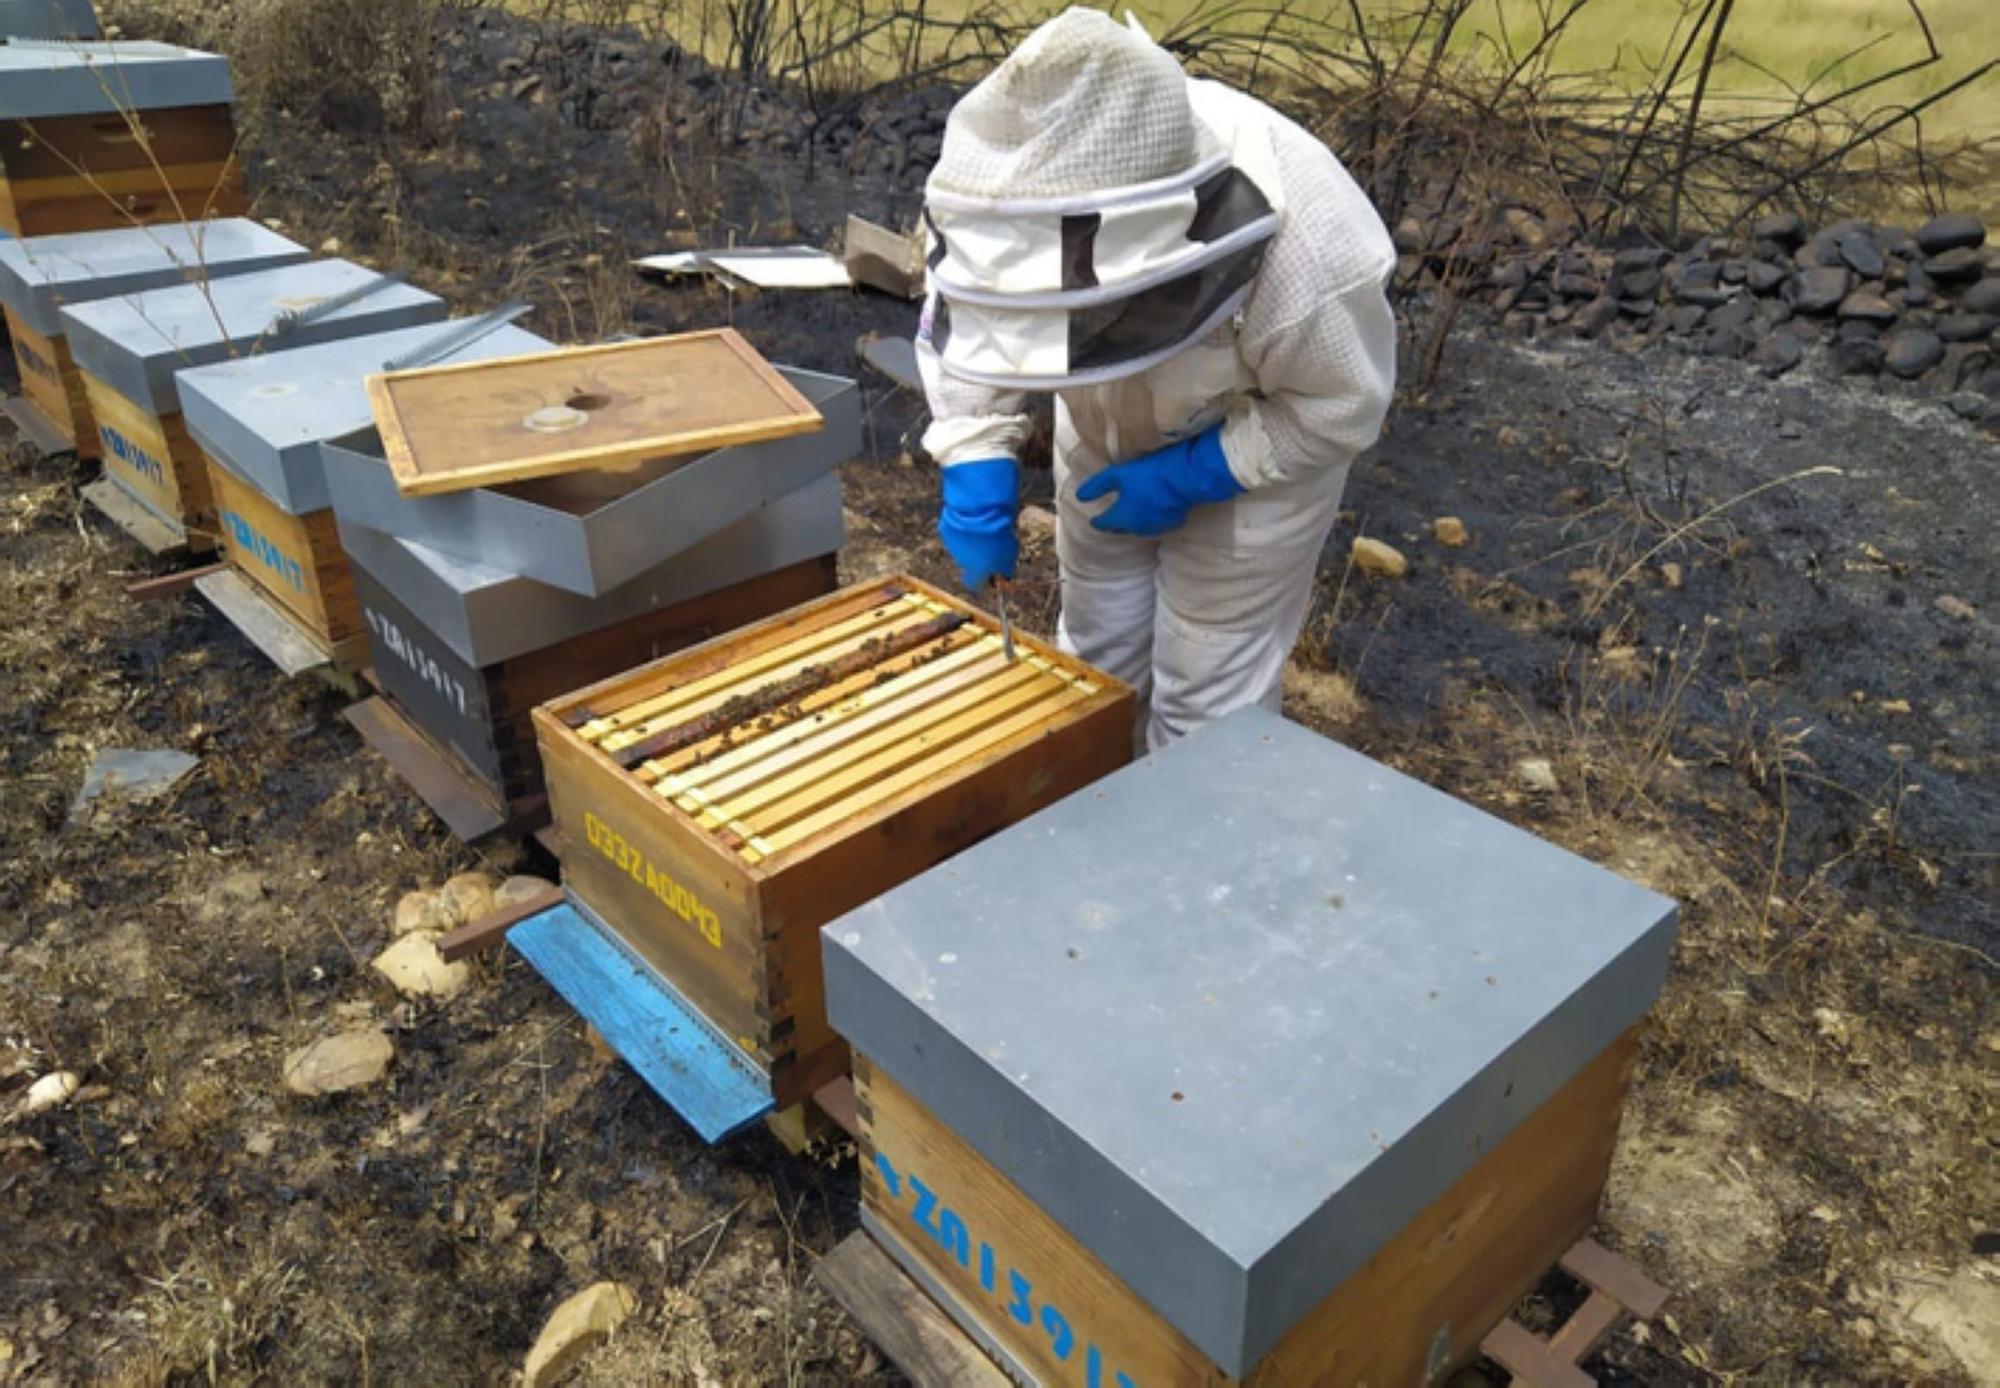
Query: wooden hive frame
{"points": [[720, 806], [1013, 1278], [92, 172]]}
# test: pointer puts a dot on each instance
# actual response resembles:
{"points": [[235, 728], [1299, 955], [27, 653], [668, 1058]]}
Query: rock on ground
{"points": [[1869, 308], [1786, 228], [1536, 774], [469, 896], [1764, 277], [345, 1060], [51, 1091], [1964, 327], [1958, 1311], [1858, 250], [137, 774], [1451, 532], [1911, 352], [579, 1323], [1778, 353], [1595, 316], [1378, 560], [1038, 520], [518, 889], [1820, 290], [421, 910], [1962, 264], [1950, 232], [416, 969]]}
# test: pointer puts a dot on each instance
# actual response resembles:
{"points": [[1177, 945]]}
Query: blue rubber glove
{"points": [[977, 522], [1156, 492]]}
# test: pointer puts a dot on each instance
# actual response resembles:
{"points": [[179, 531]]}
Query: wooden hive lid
{"points": [[829, 717], [617, 405]]}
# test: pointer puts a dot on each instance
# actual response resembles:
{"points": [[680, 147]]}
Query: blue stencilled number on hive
{"points": [[255, 543], [946, 1228], [132, 455]]}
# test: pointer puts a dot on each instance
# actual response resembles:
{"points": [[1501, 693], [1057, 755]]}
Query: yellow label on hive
{"points": [[626, 857]]}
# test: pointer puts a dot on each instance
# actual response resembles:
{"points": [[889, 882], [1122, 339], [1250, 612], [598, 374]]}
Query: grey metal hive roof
{"points": [[135, 344], [46, 80], [42, 273], [48, 19]]}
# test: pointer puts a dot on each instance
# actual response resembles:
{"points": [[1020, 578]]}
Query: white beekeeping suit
{"points": [[1202, 286]]}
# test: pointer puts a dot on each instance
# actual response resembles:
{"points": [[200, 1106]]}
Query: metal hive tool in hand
{"points": [[614, 406]]}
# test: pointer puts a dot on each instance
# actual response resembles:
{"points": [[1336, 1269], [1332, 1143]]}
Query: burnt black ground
{"points": [[1808, 1124]]}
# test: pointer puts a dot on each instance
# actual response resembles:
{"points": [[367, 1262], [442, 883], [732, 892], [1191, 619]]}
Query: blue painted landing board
{"points": [[703, 1078]]}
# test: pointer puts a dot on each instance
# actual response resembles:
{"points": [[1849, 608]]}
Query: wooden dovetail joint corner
{"points": [[1617, 1288]]}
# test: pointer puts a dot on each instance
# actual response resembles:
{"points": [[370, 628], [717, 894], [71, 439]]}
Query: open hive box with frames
{"points": [[719, 806]]}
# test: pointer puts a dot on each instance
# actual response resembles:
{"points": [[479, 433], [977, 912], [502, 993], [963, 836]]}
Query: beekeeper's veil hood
{"points": [[1086, 222]]}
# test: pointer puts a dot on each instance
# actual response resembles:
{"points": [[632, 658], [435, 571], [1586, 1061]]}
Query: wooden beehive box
{"points": [[1259, 1063], [719, 806], [96, 135], [464, 674], [260, 421], [296, 561]]}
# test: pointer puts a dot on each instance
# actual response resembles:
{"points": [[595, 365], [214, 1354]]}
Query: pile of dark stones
{"points": [[1870, 300]]}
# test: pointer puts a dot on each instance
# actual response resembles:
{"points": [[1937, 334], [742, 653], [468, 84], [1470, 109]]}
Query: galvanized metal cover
{"points": [[1235, 1014], [266, 416], [135, 344], [48, 19], [486, 614], [42, 273], [595, 551], [100, 78]]}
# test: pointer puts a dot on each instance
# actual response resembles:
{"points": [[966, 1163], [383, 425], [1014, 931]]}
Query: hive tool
{"points": [[1006, 619]]}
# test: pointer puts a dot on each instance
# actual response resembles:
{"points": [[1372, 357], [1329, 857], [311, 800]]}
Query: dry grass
{"points": [[346, 62], [211, 1319]]}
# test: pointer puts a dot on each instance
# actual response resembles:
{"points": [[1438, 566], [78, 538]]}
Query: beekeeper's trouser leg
{"points": [[1199, 621]]}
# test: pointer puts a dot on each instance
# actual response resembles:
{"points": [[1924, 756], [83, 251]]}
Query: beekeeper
{"points": [[1202, 286]]}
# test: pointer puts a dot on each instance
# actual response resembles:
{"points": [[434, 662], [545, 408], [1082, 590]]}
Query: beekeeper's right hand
{"points": [[981, 498]]}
